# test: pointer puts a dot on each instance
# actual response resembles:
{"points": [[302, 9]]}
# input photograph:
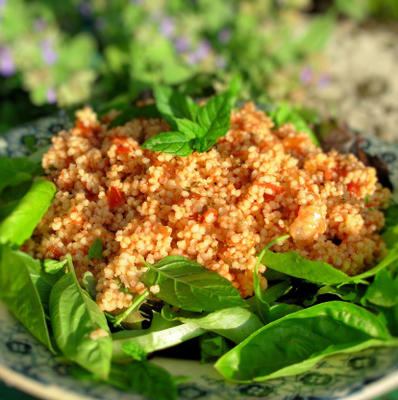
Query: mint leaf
{"points": [[176, 143], [189, 128], [214, 118], [172, 104], [95, 250], [188, 285]]}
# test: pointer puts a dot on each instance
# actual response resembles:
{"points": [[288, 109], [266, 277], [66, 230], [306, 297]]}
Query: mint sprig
{"points": [[195, 128]]}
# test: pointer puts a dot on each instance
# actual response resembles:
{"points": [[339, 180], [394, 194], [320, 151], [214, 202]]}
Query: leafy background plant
{"points": [[65, 53]]}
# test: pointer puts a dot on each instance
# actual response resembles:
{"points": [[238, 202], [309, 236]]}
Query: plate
{"points": [[26, 364]]}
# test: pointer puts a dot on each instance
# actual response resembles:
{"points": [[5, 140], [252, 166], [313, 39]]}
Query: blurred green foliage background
{"points": [[64, 53]]}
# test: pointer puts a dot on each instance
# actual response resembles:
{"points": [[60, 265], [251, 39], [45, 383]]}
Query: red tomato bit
{"points": [[115, 198]]}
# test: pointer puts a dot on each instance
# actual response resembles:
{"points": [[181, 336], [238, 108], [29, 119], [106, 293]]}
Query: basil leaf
{"points": [[90, 283], [134, 350], [391, 258], [14, 171], [384, 290], [176, 143], [280, 310], [212, 347], [161, 336], [7, 209], [188, 285], [95, 250], [19, 293], [173, 104], [389, 317], [284, 114], [349, 293], [144, 378], [74, 317], [264, 298], [292, 264], [275, 291], [124, 376], [308, 336], [19, 225], [234, 323], [41, 279], [134, 112], [214, 118], [52, 267]]}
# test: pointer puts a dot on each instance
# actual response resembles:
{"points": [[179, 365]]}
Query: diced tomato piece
{"points": [[86, 131], [292, 142], [91, 196], [241, 153], [54, 251], [328, 174], [122, 149], [354, 188], [115, 198], [121, 145], [374, 204], [275, 189]]}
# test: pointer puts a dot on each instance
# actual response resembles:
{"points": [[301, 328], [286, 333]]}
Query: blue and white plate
{"points": [[26, 364]]}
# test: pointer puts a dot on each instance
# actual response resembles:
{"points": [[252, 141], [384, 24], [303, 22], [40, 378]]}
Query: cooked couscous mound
{"points": [[219, 208]]}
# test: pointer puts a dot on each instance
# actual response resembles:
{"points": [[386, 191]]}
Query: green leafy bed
{"points": [[309, 311]]}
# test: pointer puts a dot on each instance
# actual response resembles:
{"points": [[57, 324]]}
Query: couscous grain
{"points": [[219, 208]]}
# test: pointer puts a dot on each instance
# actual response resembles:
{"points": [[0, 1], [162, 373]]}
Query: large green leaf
{"points": [[19, 225], [74, 317], [188, 285], [19, 292], [234, 323], [295, 343]]}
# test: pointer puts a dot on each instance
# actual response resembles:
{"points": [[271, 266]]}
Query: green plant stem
{"points": [[134, 305]]}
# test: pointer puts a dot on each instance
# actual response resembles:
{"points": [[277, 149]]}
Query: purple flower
{"points": [[85, 9], [200, 53], [221, 62], [51, 95], [2, 5], [323, 81], [39, 24], [203, 49], [306, 75], [224, 36], [48, 53], [167, 27], [7, 66], [181, 44]]}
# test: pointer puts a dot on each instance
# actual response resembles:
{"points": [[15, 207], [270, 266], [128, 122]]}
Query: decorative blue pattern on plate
{"points": [[334, 378]]}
